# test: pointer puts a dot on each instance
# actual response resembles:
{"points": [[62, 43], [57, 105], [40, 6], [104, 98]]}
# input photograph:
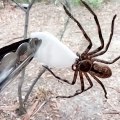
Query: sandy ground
{"points": [[90, 105]]}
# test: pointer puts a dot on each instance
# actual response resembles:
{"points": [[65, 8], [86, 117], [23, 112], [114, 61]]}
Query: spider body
{"points": [[101, 71], [87, 64]]}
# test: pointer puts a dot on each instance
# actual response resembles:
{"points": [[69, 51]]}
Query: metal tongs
{"points": [[15, 57]]}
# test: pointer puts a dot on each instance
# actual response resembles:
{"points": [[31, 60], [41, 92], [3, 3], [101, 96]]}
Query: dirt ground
{"points": [[91, 105]]}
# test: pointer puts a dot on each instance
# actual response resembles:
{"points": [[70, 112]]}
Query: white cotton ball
{"points": [[52, 52]]}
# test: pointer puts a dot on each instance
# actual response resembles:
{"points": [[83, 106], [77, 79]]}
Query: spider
{"points": [[86, 62]]}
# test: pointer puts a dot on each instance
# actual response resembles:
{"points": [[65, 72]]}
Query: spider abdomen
{"points": [[101, 71]]}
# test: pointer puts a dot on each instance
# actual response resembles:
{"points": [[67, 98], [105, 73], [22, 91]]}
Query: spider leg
{"points": [[100, 84], [77, 91], [106, 62], [75, 77], [82, 86], [99, 29], [89, 80], [81, 28], [64, 80], [110, 38], [82, 81]]}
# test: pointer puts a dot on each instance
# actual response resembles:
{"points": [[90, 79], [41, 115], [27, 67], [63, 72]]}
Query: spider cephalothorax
{"points": [[84, 65], [87, 64]]}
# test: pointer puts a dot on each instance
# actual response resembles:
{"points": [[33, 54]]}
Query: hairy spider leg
{"points": [[82, 81], [98, 27], [81, 28], [99, 83], [102, 52], [64, 80], [91, 84], [107, 62], [75, 77], [89, 80], [78, 91], [110, 38]]}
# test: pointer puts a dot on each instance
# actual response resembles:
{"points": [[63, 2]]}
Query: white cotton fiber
{"points": [[52, 52]]}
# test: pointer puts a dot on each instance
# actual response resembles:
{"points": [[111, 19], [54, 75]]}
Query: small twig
{"points": [[40, 107], [25, 36], [21, 109], [34, 82], [30, 5], [67, 21], [19, 5], [30, 111], [65, 27], [27, 18], [33, 110]]}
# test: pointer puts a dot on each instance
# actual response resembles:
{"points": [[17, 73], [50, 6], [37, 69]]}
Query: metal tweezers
{"points": [[11, 68]]}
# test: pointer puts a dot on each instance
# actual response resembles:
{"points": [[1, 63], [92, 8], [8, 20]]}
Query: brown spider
{"points": [[85, 65]]}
